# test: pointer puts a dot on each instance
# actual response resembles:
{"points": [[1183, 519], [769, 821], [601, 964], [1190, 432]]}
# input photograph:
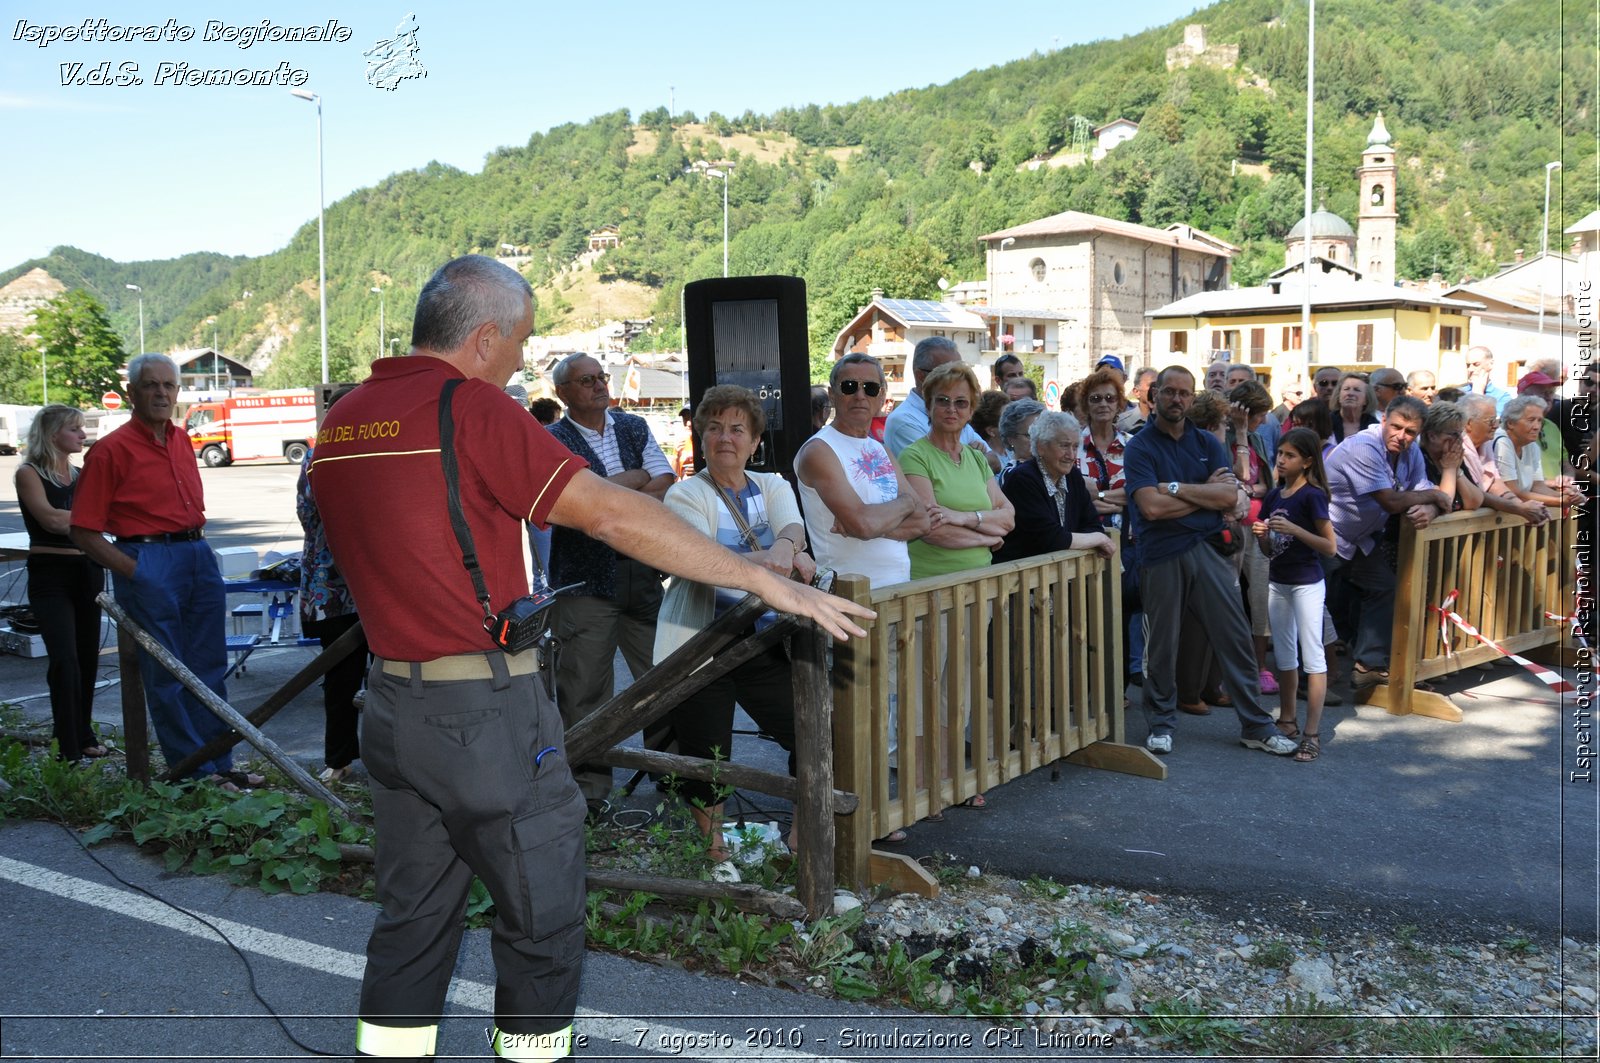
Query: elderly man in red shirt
{"points": [[141, 485]]}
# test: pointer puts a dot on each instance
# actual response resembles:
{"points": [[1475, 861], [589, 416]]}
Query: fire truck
{"points": [[271, 424]]}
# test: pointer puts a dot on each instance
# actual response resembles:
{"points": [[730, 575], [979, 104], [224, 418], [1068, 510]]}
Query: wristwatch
{"points": [[1172, 489], [1100, 496]]}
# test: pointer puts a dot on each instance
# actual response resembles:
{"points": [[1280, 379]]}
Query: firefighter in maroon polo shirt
{"points": [[469, 774]]}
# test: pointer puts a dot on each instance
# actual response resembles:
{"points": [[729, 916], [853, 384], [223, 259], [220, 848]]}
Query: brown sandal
{"points": [[1310, 748], [1288, 728]]}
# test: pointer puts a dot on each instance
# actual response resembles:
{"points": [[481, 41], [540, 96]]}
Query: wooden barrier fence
{"points": [[994, 673], [1508, 575]]}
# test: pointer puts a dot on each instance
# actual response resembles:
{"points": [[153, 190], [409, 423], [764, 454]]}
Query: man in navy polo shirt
{"points": [[1181, 483]]}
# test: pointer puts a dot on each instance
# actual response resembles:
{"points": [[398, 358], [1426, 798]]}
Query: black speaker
{"points": [[751, 331]]}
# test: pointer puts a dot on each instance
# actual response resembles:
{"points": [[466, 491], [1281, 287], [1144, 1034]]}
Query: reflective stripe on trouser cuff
{"points": [[533, 1047], [402, 1041]]}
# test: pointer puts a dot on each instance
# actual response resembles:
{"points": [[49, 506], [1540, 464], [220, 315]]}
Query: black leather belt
{"points": [[187, 536]]}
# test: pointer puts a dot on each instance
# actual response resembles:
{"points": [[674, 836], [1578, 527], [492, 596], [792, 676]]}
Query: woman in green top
{"points": [[968, 513]]}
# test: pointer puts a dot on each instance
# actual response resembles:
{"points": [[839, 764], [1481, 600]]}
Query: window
{"points": [[1377, 195], [1177, 342], [1291, 338], [1450, 337], [1363, 343], [1258, 346], [1116, 272], [1037, 265]]}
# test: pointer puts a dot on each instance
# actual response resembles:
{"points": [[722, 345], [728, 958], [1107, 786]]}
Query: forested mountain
{"points": [[172, 287], [894, 192]]}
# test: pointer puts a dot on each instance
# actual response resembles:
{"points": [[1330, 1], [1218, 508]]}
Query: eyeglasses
{"points": [[1103, 400], [1400, 386], [1177, 393], [871, 388], [589, 380], [946, 402]]}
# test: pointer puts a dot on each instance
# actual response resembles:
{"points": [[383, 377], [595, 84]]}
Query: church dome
{"points": [[1379, 137], [1325, 225]]}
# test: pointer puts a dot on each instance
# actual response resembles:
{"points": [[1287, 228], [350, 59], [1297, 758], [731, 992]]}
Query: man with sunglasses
{"points": [[1326, 386], [860, 512], [910, 422], [616, 605]]}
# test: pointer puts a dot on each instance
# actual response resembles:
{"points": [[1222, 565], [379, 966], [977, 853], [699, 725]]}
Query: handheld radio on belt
{"points": [[524, 622]]}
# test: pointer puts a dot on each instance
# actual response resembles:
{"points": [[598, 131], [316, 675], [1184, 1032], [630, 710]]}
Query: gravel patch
{"points": [[1146, 954]]}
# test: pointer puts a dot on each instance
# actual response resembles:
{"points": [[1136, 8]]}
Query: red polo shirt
{"points": [[379, 486], [132, 485]]}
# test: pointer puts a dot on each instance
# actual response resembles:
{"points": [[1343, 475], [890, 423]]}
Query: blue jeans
{"points": [[176, 594]]}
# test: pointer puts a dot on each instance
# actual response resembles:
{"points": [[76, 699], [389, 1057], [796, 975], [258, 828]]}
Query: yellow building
{"points": [[1354, 325]]}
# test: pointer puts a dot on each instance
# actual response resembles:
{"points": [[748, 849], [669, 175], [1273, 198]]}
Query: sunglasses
{"points": [[1106, 400], [871, 388], [590, 380]]}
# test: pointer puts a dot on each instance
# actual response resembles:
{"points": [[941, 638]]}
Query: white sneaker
{"points": [[1277, 743], [1163, 744]]}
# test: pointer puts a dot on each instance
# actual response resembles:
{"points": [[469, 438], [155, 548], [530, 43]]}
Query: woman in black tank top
{"points": [[62, 581]]}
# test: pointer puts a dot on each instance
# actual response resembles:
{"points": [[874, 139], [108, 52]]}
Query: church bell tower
{"points": [[1375, 228]]}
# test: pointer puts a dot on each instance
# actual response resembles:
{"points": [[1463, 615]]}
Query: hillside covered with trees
{"points": [[894, 192]]}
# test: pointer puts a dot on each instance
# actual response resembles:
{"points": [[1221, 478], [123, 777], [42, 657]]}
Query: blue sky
{"points": [[149, 171]]}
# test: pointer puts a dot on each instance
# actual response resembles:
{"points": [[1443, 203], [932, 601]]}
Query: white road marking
{"points": [[600, 1029]]}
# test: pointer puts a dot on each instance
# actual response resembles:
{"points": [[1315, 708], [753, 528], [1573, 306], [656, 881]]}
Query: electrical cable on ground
{"points": [[250, 972]]}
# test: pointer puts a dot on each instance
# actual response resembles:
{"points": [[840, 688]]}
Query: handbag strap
{"points": [[458, 518], [738, 515]]}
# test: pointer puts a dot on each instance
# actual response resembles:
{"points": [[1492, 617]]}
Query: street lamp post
{"points": [[380, 320], [724, 178], [1000, 325], [322, 252], [136, 288], [1544, 238]]}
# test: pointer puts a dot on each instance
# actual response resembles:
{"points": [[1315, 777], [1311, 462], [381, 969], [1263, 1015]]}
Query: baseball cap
{"points": [[1113, 361], [1534, 379]]}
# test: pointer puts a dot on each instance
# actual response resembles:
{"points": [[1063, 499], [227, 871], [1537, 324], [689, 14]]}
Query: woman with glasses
{"points": [[754, 514], [968, 515], [1100, 456]]}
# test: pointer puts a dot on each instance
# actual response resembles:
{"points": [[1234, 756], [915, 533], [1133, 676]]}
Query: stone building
{"points": [[1082, 284]]}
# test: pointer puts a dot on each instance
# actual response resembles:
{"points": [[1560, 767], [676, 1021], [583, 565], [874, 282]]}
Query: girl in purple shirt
{"points": [[1295, 530]]}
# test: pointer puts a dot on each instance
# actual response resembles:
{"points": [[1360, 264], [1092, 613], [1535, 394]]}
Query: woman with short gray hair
{"points": [[1055, 510], [1444, 455]]}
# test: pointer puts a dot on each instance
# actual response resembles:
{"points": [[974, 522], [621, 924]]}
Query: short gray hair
{"points": [[1017, 411], [136, 366], [464, 294], [1472, 404], [1519, 405], [1240, 365], [563, 368], [1052, 423], [1444, 419], [922, 354], [853, 358]]}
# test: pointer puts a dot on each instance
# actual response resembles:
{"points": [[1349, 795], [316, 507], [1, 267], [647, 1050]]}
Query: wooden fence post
{"points": [[852, 740], [135, 731], [813, 810]]}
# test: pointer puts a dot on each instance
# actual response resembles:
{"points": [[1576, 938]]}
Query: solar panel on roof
{"points": [[918, 310]]}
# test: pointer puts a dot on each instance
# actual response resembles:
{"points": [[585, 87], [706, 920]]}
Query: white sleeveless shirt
{"points": [[870, 472]]}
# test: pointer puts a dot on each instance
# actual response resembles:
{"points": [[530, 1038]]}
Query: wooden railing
{"points": [[1507, 575], [995, 672]]}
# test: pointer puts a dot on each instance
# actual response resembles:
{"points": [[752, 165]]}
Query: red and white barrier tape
{"points": [[1548, 677]]}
